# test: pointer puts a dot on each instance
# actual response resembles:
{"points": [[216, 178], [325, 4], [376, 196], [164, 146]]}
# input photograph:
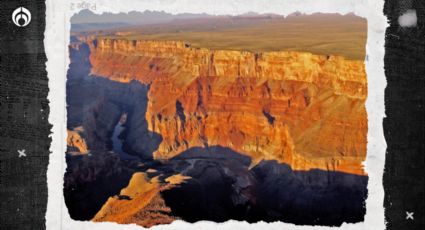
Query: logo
{"points": [[21, 17]]}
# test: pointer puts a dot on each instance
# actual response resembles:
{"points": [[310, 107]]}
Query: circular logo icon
{"points": [[21, 17]]}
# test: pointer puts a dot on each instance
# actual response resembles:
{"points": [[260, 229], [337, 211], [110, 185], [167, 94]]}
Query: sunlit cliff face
{"points": [[297, 108], [160, 131]]}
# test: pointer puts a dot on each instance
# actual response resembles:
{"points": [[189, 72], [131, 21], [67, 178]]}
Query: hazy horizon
{"points": [[325, 34]]}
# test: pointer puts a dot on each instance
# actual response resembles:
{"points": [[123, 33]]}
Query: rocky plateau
{"points": [[215, 134]]}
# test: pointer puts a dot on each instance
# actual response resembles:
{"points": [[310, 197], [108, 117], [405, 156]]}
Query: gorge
{"points": [[213, 134]]}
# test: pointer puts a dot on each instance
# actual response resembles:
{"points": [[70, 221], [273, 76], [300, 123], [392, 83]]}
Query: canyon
{"points": [[298, 108], [213, 134]]}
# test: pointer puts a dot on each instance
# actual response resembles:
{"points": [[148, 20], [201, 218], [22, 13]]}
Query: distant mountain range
{"points": [[86, 19]]}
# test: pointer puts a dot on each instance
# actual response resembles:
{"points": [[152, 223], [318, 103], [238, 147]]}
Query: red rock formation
{"points": [[76, 141], [140, 202], [302, 109]]}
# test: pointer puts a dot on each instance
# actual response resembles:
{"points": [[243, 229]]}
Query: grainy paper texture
{"points": [[24, 111], [404, 122]]}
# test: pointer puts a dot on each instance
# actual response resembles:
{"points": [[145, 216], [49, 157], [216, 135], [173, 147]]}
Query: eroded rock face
{"points": [[219, 135], [223, 187], [91, 179], [76, 142], [140, 202], [297, 108], [216, 184]]}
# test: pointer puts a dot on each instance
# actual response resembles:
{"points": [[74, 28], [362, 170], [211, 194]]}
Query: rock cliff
{"points": [[138, 203], [297, 108], [75, 142]]}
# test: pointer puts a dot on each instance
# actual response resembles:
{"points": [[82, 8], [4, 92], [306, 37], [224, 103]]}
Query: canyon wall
{"points": [[297, 108], [76, 143]]}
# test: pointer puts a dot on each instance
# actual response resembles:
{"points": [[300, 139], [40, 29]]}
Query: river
{"points": [[117, 142]]}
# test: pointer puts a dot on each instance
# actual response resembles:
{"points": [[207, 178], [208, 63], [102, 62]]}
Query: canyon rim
{"points": [[199, 117]]}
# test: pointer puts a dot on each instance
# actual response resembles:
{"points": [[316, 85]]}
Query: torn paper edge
{"points": [[58, 14]]}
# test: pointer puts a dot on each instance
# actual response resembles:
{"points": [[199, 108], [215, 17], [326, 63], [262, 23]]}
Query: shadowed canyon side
{"points": [[298, 108], [162, 130]]}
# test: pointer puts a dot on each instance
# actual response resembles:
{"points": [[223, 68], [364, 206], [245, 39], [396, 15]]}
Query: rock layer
{"points": [[75, 142], [297, 108], [140, 202]]}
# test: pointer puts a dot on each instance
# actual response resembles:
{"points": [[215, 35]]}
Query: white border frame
{"points": [[58, 14]]}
